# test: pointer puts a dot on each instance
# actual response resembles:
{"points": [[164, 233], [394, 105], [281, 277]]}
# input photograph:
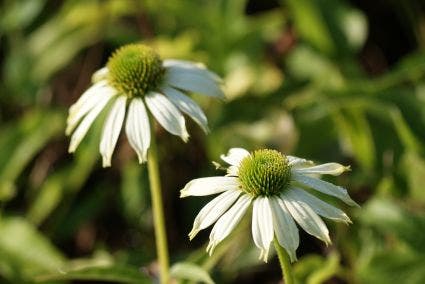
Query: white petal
{"points": [[334, 169], [88, 100], [137, 128], [85, 124], [285, 228], [324, 187], [319, 206], [228, 222], [307, 218], [213, 210], [234, 156], [262, 226], [187, 105], [112, 129], [87, 94], [100, 74], [167, 114], [232, 171], [178, 66], [209, 185], [296, 162], [190, 82]]}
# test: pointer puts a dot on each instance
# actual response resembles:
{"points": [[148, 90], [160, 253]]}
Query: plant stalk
{"points": [[285, 263], [158, 211]]}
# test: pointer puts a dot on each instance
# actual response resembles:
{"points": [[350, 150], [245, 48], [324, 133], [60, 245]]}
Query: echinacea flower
{"points": [[134, 76], [276, 186]]}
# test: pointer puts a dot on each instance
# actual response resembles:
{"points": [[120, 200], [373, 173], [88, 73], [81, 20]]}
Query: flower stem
{"points": [[158, 210], [285, 264]]}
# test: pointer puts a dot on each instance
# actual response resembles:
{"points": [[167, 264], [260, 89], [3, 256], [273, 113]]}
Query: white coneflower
{"points": [[275, 185], [135, 76]]}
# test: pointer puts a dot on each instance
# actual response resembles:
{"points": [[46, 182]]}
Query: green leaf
{"points": [[119, 274], [315, 269], [414, 168], [394, 267], [320, 68], [311, 25], [18, 14], [190, 271], [25, 251], [356, 133], [391, 219], [403, 130], [35, 131], [67, 180]]}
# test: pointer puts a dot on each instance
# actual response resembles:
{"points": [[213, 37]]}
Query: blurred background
{"points": [[328, 80]]}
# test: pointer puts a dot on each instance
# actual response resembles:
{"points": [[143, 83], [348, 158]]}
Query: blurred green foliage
{"points": [[328, 80]]}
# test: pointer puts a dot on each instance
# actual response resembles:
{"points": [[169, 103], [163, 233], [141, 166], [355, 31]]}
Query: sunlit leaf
{"points": [[413, 166], [394, 267], [190, 271], [390, 218], [316, 269], [26, 250], [356, 131], [120, 274], [34, 132]]}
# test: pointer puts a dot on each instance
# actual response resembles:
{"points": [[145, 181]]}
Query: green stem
{"points": [[285, 263], [158, 211]]}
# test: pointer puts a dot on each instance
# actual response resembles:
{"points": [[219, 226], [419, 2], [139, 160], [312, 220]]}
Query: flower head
{"points": [[136, 76], [275, 185]]}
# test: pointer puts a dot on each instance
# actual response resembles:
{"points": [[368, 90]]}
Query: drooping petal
{"points": [[187, 105], [285, 228], [87, 121], [334, 169], [190, 66], [111, 130], [296, 162], [234, 156], [262, 226], [213, 210], [88, 100], [209, 185], [195, 83], [319, 206], [137, 128], [307, 218], [100, 74], [167, 114], [228, 222], [178, 66], [87, 95], [324, 187]]}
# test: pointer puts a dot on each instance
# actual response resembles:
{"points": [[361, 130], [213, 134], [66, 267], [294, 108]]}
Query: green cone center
{"points": [[135, 69], [264, 173]]}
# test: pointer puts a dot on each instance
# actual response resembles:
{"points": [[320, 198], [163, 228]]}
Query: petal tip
{"points": [[185, 137], [347, 168], [193, 233], [71, 148], [210, 248], [142, 158], [353, 203], [183, 193], [106, 162]]}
